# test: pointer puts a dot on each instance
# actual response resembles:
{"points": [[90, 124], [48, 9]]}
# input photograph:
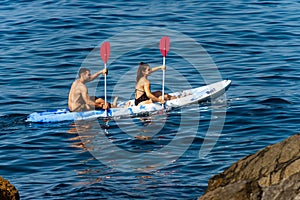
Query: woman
{"points": [[143, 94]]}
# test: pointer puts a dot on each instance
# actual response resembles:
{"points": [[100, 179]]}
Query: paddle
{"points": [[105, 53], [164, 46]]}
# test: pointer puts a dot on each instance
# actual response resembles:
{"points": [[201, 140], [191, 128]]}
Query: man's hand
{"points": [[161, 100], [105, 71], [163, 67]]}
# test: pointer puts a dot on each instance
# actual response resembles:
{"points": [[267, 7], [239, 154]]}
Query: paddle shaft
{"points": [[105, 52], [163, 79], [105, 96], [164, 46]]}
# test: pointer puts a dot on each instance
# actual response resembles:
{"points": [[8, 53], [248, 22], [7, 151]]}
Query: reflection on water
{"points": [[143, 128], [131, 143], [78, 139], [138, 144], [86, 138]]}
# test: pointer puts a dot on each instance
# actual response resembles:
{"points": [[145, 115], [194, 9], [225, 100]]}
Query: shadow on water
{"points": [[275, 102]]}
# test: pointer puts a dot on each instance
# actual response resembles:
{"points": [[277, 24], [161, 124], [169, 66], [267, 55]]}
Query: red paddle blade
{"points": [[164, 45], [105, 51]]}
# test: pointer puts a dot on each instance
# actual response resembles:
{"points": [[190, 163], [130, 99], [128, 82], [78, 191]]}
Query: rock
{"points": [[8, 191], [241, 190], [287, 189], [271, 173]]}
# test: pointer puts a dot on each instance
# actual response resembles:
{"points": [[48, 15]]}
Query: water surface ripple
{"points": [[254, 43]]}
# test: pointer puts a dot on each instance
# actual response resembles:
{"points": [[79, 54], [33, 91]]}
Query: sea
{"points": [[164, 155]]}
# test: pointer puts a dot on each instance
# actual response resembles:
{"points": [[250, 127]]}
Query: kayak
{"points": [[184, 98]]}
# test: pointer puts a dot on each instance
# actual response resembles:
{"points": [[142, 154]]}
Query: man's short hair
{"points": [[82, 70]]}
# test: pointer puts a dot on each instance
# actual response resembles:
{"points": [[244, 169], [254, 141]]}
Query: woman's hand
{"points": [[105, 106], [162, 67]]}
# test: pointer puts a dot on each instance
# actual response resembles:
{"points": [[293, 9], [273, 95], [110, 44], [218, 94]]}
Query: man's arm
{"points": [[94, 76], [86, 97]]}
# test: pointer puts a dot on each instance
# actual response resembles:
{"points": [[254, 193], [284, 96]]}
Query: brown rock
{"points": [[289, 189], [242, 190], [8, 191], [261, 174]]}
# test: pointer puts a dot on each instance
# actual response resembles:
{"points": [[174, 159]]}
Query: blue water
{"points": [[254, 43]]}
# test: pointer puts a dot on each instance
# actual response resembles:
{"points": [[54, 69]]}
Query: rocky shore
{"points": [[272, 173], [7, 190]]}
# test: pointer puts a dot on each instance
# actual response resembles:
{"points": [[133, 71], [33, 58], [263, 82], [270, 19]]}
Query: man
{"points": [[79, 99]]}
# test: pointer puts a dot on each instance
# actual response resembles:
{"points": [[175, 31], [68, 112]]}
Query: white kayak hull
{"points": [[189, 96]]}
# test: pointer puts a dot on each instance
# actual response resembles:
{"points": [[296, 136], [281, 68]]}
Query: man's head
{"points": [[84, 71]]}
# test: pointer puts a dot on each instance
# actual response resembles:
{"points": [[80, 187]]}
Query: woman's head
{"points": [[143, 68]]}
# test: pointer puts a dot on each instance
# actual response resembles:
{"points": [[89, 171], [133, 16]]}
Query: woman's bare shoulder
{"points": [[144, 80]]}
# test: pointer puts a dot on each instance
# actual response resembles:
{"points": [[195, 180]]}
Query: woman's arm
{"points": [[162, 67], [150, 95]]}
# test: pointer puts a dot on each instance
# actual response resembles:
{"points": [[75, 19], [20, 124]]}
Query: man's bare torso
{"points": [[75, 95]]}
